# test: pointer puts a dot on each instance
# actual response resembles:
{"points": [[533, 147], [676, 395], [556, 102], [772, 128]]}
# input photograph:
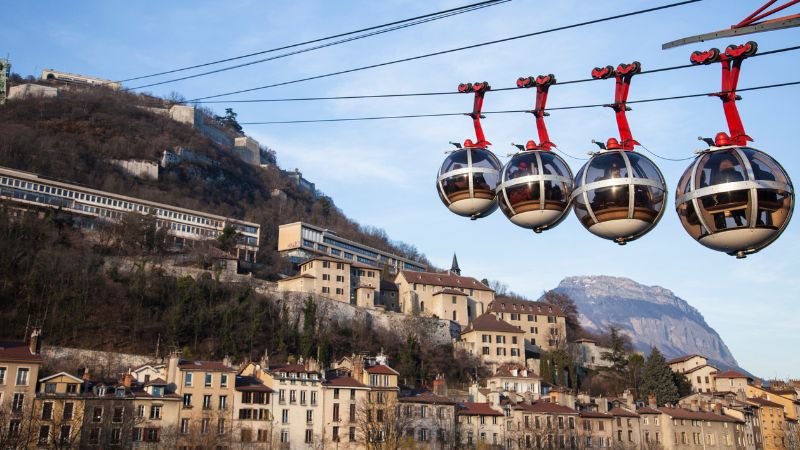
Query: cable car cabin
{"points": [[535, 189], [619, 195], [467, 181], [735, 199]]}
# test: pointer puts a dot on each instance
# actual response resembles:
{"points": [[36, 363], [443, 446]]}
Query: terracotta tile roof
{"points": [[299, 275], [489, 322], [427, 397], [595, 415], [344, 381], [684, 358], [477, 409], [696, 368], [250, 384], [381, 370], [289, 368], [682, 413], [387, 285], [764, 402], [510, 305], [156, 382], [546, 407], [622, 412], [505, 371], [212, 366], [648, 410], [450, 291], [17, 351], [731, 374], [444, 279]]}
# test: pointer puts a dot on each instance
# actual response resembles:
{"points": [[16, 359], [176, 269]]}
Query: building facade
{"points": [[444, 295], [494, 341], [544, 324]]}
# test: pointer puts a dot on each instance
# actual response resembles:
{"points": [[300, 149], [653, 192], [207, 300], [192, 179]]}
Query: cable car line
{"points": [[425, 94], [596, 105], [431, 16], [664, 157], [305, 50], [453, 50]]}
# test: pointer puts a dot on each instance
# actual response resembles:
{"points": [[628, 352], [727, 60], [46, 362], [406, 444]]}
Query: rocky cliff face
{"points": [[651, 315]]}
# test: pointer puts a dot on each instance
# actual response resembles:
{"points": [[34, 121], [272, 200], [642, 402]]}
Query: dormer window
{"points": [[157, 391], [119, 392], [100, 391]]}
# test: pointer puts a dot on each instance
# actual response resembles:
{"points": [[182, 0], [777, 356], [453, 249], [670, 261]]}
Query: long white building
{"points": [[91, 206]]}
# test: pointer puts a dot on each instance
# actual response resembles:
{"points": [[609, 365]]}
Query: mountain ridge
{"points": [[651, 315]]}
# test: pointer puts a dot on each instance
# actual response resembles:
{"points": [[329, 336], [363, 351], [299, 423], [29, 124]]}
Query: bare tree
{"points": [[382, 425]]}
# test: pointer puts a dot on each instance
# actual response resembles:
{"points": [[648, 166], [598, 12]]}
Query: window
{"points": [[285, 416], [221, 426], [97, 414], [339, 291], [22, 376], [292, 396], [352, 413], [223, 380], [119, 411], [2, 375], [155, 412], [72, 388], [47, 410], [44, 434], [68, 411], [352, 434], [309, 436], [207, 401], [187, 400], [152, 435], [326, 290], [223, 402], [94, 436], [50, 388], [335, 412], [116, 436], [209, 379], [204, 426], [187, 379], [184, 426], [309, 416], [313, 398]]}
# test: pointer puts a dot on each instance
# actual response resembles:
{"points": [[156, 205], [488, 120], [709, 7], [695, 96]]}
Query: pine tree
{"points": [[620, 347], [657, 379]]}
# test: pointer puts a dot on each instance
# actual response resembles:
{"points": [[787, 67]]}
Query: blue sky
{"points": [[382, 173]]}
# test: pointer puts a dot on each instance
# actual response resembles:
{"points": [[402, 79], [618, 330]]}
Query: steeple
{"points": [[454, 269]]}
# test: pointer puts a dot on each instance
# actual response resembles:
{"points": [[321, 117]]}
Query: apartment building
{"points": [[735, 406], [300, 241], [429, 419], [697, 370], [515, 381], [626, 429], [19, 369], [587, 353], [337, 279], [344, 399], [494, 341], [58, 412], [772, 418], [480, 424], [447, 296], [544, 324], [253, 414], [545, 424], [91, 207]]}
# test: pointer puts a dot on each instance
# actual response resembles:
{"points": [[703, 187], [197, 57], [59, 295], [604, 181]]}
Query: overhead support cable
{"points": [[453, 50], [375, 30]]}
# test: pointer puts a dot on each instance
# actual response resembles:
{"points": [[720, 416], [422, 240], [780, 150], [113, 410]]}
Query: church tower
{"points": [[454, 269]]}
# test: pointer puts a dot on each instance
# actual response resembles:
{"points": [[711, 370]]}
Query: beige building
{"points": [[480, 424], [732, 381], [19, 370], [342, 397], [494, 341], [626, 429], [253, 414], [772, 422], [337, 279], [515, 381], [543, 324], [690, 428], [444, 295], [587, 353], [58, 412], [697, 370]]}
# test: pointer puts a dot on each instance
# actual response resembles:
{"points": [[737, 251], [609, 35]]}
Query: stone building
{"points": [[494, 341], [543, 324]]}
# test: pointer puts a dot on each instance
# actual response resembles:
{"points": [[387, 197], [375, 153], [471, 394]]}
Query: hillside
{"points": [[651, 315], [73, 137]]}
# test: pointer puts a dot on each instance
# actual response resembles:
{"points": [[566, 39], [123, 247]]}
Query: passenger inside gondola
{"points": [[606, 197], [730, 206]]}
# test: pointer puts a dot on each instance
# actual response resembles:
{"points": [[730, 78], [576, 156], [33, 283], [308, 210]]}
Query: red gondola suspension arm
{"points": [[623, 75], [480, 89], [542, 83]]}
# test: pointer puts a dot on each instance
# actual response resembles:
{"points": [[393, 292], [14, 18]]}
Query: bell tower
{"points": [[454, 269]]}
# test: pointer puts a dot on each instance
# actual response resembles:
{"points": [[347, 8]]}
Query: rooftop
{"points": [[546, 407], [17, 351], [426, 397], [622, 412], [213, 366], [489, 322], [682, 413], [381, 369], [444, 279], [477, 409], [684, 358], [512, 305], [731, 374]]}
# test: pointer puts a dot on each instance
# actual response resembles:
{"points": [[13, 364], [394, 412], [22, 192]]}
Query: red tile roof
{"points": [[731, 374], [622, 412], [157, 382], [512, 305], [477, 409], [344, 381], [381, 370], [251, 384], [546, 407], [489, 322], [17, 351], [684, 358], [212, 366], [764, 402], [647, 410], [444, 279], [696, 368], [505, 370], [682, 413], [290, 368], [426, 397]]}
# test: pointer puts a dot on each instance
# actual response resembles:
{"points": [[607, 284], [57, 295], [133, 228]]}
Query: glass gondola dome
{"points": [[619, 195], [535, 188], [734, 199], [467, 181]]}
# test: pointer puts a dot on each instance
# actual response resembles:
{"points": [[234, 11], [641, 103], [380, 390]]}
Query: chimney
{"points": [[440, 386], [718, 408], [694, 407], [172, 367], [358, 368], [127, 380], [86, 377], [226, 361], [651, 401], [35, 344]]}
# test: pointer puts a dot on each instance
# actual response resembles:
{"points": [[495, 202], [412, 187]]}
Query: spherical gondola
{"points": [[734, 199], [534, 190], [467, 182], [619, 195]]}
